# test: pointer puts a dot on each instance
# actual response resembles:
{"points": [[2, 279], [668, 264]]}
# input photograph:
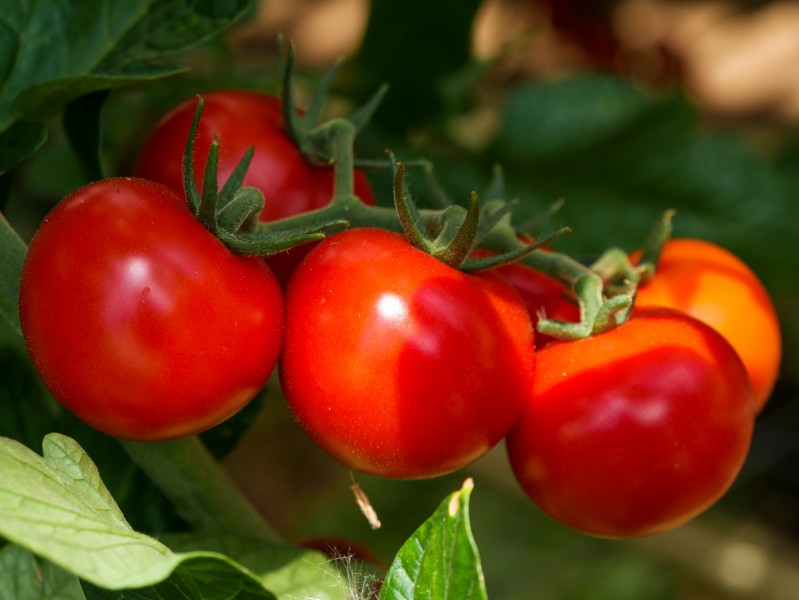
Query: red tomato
{"points": [[636, 430], [542, 295], [715, 286], [139, 320], [397, 364], [241, 119]]}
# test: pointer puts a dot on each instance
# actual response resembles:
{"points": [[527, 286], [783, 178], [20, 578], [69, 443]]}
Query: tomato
{"points": [[241, 119], [715, 286], [636, 430], [542, 295], [139, 320], [397, 364]]}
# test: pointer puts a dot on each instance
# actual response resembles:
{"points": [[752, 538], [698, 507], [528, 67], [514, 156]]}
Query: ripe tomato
{"points": [[636, 430], [715, 286], [542, 295], [139, 320], [397, 364], [241, 119]]}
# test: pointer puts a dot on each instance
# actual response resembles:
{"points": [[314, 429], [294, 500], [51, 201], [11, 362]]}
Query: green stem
{"points": [[559, 266], [342, 138], [193, 480], [12, 255], [586, 285]]}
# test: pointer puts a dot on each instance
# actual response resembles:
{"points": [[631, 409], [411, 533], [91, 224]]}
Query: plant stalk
{"points": [[186, 472]]}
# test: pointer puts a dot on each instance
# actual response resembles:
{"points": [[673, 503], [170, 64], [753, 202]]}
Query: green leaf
{"points": [[197, 578], [24, 577], [19, 141], [620, 168], [55, 51], [551, 120], [57, 507], [289, 572], [440, 560], [414, 55], [12, 255]]}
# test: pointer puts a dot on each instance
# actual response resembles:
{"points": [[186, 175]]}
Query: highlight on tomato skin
{"points": [[139, 320], [398, 365], [634, 431], [713, 285]]}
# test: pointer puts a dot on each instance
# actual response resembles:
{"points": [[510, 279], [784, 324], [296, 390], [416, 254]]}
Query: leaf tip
{"points": [[455, 501]]}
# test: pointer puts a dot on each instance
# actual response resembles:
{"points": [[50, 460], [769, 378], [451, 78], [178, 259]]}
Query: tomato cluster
{"points": [[147, 327]]}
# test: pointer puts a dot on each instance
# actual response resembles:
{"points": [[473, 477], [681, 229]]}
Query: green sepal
{"points": [[361, 117], [246, 205], [206, 211], [292, 121], [313, 112], [437, 192], [613, 312], [496, 189], [455, 249], [262, 243], [307, 130], [189, 185], [588, 289], [492, 213], [653, 246], [410, 219], [236, 180], [473, 265], [533, 224]]}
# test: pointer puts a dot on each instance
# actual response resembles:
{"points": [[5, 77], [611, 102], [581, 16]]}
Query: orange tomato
{"points": [[715, 286]]}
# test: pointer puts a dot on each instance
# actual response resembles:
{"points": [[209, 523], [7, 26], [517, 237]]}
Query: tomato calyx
{"points": [[310, 135], [453, 236], [231, 214]]}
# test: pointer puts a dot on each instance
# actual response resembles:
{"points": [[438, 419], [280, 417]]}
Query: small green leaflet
{"points": [[57, 507], [440, 560]]}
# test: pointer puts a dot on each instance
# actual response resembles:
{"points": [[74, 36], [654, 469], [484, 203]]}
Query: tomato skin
{"points": [[139, 320], [542, 295], [716, 287], [397, 364], [636, 430]]}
